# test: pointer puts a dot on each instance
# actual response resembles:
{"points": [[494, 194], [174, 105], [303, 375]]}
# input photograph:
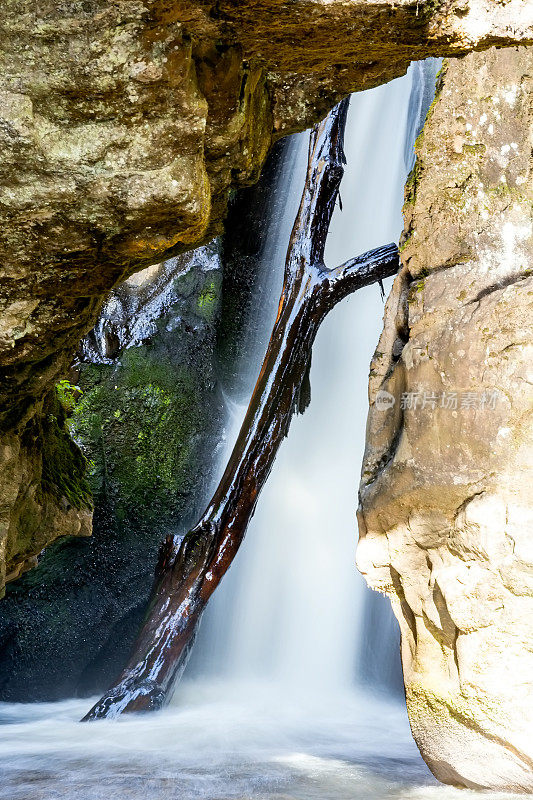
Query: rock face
{"points": [[446, 498], [122, 128], [150, 420]]}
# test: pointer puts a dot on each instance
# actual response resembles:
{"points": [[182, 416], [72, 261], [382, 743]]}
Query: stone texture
{"points": [[150, 418], [44, 492], [122, 128], [446, 498], [148, 415]]}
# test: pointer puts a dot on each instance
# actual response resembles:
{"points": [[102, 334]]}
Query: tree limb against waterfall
{"points": [[190, 569]]}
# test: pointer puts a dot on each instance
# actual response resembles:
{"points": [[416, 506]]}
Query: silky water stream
{"points": [[293, 691]]}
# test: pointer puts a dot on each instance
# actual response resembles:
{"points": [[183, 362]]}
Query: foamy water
{"points": [[223, 741]]}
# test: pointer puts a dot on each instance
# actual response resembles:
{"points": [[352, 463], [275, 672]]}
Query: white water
{"points": [[273, 705], [293, 607]]}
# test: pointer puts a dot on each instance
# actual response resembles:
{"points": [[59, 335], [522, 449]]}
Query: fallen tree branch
{"points": [[190, 570]]}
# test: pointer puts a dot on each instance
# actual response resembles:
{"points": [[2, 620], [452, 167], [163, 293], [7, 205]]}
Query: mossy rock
{"points": [[64, 471], [146, 428]]}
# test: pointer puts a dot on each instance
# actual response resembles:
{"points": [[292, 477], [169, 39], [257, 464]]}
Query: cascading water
{"points": [[273, 704], [292, 608]]}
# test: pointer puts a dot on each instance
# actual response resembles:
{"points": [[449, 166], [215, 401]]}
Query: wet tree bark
{"points": [[190, 570]]}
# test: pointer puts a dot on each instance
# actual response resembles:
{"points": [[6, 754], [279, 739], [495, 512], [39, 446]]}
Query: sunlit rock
{"points": [[446, 517]]}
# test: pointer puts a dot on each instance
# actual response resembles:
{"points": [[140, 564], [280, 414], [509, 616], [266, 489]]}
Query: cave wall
{"points": [[122, 129], [446, 502]]}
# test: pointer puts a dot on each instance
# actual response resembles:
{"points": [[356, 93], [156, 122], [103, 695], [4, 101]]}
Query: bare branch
{"points": [[190, 570], [370, 267]]}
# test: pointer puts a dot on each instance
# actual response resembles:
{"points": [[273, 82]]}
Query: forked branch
{"points": [[190, 569]]}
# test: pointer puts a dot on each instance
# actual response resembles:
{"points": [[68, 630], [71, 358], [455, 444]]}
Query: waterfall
{"points": [[293, 608], [276, 703]]}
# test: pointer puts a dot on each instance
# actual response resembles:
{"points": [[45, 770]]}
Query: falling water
{"points": [[277, 702], [293, 608]]}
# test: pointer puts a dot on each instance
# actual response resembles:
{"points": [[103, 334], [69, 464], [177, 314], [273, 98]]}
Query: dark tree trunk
{"points": [[189, 571]]}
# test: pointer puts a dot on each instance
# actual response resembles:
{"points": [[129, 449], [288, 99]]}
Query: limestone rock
{"points": [[446, 512]]}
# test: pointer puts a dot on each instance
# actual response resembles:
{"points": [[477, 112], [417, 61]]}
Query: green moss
{"points": [[428, 8], [64, 472], [411, 184], [475, 149], [470, 712], [209, 299], [138, 424], [504, 191], [68, 394], [405, 240]]}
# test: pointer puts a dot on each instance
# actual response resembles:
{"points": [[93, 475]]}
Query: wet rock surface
{"points": [[148, 418], [446, 494], [145, 404]]}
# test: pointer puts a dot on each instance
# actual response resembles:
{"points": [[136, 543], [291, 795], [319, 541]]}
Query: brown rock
{"points": [[446, 511]]}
